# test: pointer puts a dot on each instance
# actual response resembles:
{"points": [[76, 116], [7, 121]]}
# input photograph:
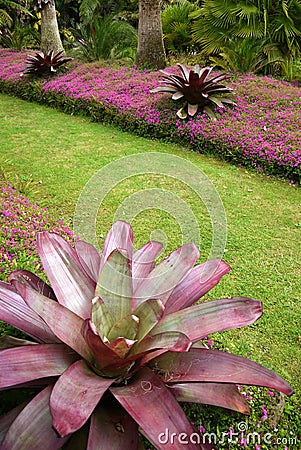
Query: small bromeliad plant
{"points": [[198, 91], [116, 343], [41, 63]]}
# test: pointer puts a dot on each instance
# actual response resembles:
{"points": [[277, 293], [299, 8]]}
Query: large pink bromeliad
{"points": [[115, 343]]}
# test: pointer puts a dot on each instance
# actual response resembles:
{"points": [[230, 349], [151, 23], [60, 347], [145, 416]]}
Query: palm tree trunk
{"points": [[150, 52], [50, 36]]}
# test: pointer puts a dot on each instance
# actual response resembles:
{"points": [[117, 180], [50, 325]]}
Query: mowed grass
{"points": [[263, 246]]}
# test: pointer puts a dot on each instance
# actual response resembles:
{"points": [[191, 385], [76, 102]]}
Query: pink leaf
{"points": [[120, 236], [200, 320], [26, 277], [155, 409], [65, 324], [166, 275], [7, 341], [198, 281], [218, 367], [7, 419], [32, 429], [21, 364], [113, 427], [89, 259], [144, 262], [17, 313], [72, 286], [217, 394], [74, 397]]}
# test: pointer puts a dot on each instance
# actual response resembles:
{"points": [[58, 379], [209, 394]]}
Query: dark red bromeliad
{"points": [[198, 91]]}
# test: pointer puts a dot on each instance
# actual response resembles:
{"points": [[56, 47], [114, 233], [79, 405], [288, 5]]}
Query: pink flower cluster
{"points": [[263, 130], [20, 220]]}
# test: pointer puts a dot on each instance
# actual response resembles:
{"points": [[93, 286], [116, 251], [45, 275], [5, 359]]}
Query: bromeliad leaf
{"points": [[75, 396], [218, 367], [149, 312], [17, 313], [121, 430], [21, 364], [216, 394], [148, 389], [166, 275], [114, 285], [198, 281], [172, 340], [101, 317], [73, 288], [126, 327], [144, 261], [33, 427], [200, 320], [64, 323]]}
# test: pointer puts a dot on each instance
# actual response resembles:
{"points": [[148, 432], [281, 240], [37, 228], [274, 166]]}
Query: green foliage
{"points": [[176, 25], [91, 8], [5, 19], [105, 38], [278, 23], [247, 55], [20, 37]]}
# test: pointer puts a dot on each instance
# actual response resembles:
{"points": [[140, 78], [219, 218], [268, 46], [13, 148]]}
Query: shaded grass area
{"points": [[61, 154]]}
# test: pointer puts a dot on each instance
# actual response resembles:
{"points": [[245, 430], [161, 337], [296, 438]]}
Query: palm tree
{"points": [[217, 21], [50, 36], [150, 51]]}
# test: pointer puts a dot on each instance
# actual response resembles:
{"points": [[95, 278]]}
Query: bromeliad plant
{"points": [[41, 63], [196, 89], [118, 342]]}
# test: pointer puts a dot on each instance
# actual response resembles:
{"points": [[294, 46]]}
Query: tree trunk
{"points": [[50, 36], [150, 52]]}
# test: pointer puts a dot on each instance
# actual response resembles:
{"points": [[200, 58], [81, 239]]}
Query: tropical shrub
{"points": [[196, 89], [176, 26], [248, 55], [41, 63], [19, 37], [117, 341], [105, 38], [218, 21]]}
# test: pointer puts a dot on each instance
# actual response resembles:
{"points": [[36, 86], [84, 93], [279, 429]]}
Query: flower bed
{"points": [[20, 220], [262, 131]]}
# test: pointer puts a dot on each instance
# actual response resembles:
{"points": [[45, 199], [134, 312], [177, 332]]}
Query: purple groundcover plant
{"points": [[20, 221], [262, 130], [116, 342]]}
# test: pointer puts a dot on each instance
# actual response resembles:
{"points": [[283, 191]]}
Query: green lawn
{"points": [[263, 246]]}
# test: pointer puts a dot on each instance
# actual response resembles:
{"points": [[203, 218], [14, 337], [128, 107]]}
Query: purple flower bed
{"points": [[262, 131], [20, 220]]}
